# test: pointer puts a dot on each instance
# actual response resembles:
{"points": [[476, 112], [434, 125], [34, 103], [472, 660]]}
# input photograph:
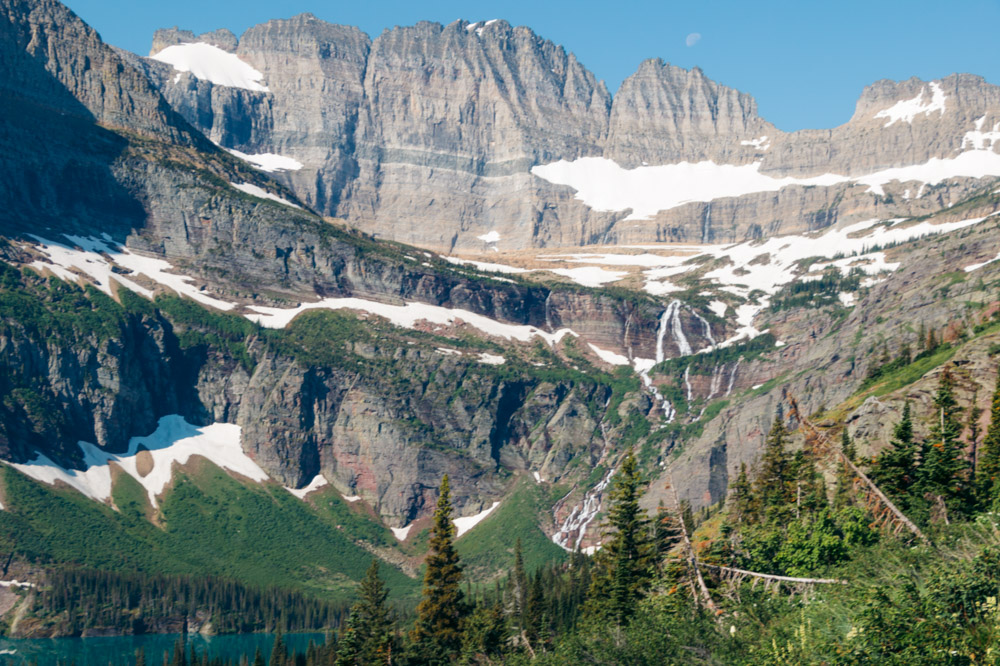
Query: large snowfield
{"points": [[210, 63]]}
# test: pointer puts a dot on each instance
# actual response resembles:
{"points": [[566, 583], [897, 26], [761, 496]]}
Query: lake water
{"points": [[121, 649]]}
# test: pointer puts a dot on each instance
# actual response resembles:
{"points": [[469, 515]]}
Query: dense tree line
{"points": [[77, 599]]}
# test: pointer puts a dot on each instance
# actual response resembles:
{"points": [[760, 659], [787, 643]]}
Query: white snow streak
{"points": [[174, 441], [269, 162], [317, 483], [491, 359], [603, 185], [909, 109], [210, 63], [589, 276], [94, 257], [261, 193], [401, 532], [407, 316], [463, 525], [609, 357]]}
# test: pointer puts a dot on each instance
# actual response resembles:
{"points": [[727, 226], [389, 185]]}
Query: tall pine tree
{"points": [[772, 487], [437, 636], [373, 619], [626, 562], [944, 471], [894, 470]]}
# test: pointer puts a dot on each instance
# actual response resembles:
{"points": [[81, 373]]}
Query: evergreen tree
{"points": [[348, 648], [437, 636], [626, 562], [279, 652], [772, 484], [373, 619], [258, 658], [666, 532], [519, 591], [943, 471], [988, 474], [534, 610], [484, 636], [894, 470], [140, 657]]}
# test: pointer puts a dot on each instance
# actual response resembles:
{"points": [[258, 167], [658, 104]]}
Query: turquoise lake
{"points": [[121, 649]]}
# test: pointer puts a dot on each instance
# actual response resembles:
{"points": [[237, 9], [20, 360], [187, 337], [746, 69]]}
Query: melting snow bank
{"points": [[260, 193], [463, 525], [609, 356], [401, 532], [976, 267], [909, 109], [94, 257], [491, 359], [210, 63], [317, 483], [407, 316], [15, 583], [571, 532], [603, 185], [589, 276], [150, 460], [268, 162]]}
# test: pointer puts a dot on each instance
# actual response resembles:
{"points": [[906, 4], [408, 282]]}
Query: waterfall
{"points": [[708, 330], [574, 528], [687, 381], [732, 377]]}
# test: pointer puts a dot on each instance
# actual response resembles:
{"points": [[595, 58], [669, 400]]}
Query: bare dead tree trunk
{"points": [[691, 557]]}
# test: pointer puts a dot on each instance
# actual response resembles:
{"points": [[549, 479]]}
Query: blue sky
{"points": [[805, 62]]}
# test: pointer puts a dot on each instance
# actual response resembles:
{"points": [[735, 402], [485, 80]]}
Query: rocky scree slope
{"points": [[471, 136]]}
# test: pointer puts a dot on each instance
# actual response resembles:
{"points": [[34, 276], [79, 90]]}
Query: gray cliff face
{"points": [[664, 114], [429, 136], [455, 117]]}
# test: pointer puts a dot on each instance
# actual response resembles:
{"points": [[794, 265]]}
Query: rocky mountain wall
{"points": [[428, 135]]}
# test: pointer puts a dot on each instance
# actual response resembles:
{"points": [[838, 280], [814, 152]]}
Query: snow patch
{"points": [[486, 266], [603, 185], [210, 63], [15, 583], [762, 143], [491, 237], [268, 162], [718, 308], [463, 525], [907, 110], [979, 140], [261, 193], [95, 258], [609, 356], [351, 498], [317, 483], [589, 276], [401, 532], [174, 441], [407, 316], [491, 359], [976, 267]]}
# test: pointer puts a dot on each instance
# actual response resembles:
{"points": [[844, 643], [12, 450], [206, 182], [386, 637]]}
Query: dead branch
{"points": [[869, 486]]}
